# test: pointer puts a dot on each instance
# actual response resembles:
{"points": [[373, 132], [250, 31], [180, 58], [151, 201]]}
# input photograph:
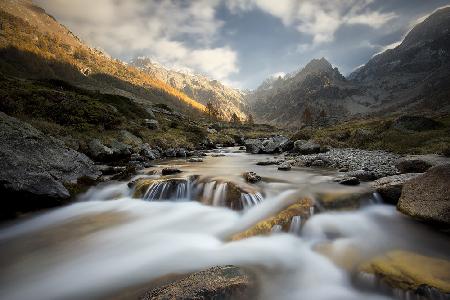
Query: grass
{"points": [[379, 134]]}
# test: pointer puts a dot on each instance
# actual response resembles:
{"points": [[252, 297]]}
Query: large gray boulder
{"points": [[420, 163], [427, 196], [34, 168], [270, 145], [306, 147]]}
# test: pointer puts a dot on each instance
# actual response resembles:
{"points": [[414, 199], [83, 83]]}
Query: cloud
{"points": [[178, 34], [318, 18]]}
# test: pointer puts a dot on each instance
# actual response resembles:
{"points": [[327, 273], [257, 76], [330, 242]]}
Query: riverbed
{"points": [[109, 242]]}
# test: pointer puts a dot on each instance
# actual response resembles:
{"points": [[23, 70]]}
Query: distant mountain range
{"points": [[414, 76], [226, 100]]}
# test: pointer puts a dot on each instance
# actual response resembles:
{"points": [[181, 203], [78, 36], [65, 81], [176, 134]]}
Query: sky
{"points": [[242, 42]]}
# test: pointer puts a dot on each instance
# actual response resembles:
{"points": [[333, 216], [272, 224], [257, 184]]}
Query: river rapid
{"points": [[109, 242]]}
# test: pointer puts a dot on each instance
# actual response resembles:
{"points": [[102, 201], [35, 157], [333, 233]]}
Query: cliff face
{"points": [[226, 100]]}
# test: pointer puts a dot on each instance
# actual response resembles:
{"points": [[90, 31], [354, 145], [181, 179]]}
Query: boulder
{"points": [[120, 150], [269, 145], [146, 151], [415, 123], [363, 175], [349, 181], [36, 169], [170, 152], [170, 171], [424, 276], [251, 177], [306, 147], [269, 162], [390, 187], [97, 151], [427, 198], [284, 166], [420, 163], [226, 283]]}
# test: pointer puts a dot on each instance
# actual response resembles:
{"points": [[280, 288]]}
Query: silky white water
{"points": [[95, 249]]}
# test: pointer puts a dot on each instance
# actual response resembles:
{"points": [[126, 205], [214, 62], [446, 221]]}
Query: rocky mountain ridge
{"points": [[412, 77], [226, 100]]}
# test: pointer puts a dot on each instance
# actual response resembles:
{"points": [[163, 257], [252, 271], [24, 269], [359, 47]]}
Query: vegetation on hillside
{"points": [[29, 53], [380, 133]]}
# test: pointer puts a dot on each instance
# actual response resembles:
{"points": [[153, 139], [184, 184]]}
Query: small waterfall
{"points": [[168, 189], [377, 199], [311, 210], [219, 194], [249, 199], [296, 224]]}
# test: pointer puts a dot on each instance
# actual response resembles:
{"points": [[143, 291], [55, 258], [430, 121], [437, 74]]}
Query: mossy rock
{"points": [[410, 271], [283, 218]]}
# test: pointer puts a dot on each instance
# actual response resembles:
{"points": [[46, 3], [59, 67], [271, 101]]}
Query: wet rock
{"points": [[409, 271], [342, 199], [217, 155], [415, 123], [390, 187], [269, 162], [254, 146], [181, 152], [35, 168], [195, 159], [170, 152], [427, 198], [126, 174], [251, 177], [349, 181], [363, 175], [146, 151], [225, 283], [306, 147], [302, 208], [110, 170], [155, 189], [242, 148], [284, 166], [170, 171], [151, 124]]}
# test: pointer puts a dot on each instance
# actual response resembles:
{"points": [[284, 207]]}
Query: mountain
{"points": [[413, 77], [34, 45], [312, 95], [226, 100]]}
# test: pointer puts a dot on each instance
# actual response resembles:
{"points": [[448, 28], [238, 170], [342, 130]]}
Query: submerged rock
{"points": [[427, 198], [195, 159], [225, 283], [34, 168], [409, 271], [390, 187]]}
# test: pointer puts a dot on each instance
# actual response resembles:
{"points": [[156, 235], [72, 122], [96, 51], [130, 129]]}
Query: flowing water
{"points": [[109, 242]]}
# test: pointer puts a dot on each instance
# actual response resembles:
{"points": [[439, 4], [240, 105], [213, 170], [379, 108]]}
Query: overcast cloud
{"points": [[242, 42]]}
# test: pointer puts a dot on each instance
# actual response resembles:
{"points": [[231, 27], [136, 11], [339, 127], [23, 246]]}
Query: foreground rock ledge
{"points": [[227, 282], [35, 169], [427, 198], [410, 271]]}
